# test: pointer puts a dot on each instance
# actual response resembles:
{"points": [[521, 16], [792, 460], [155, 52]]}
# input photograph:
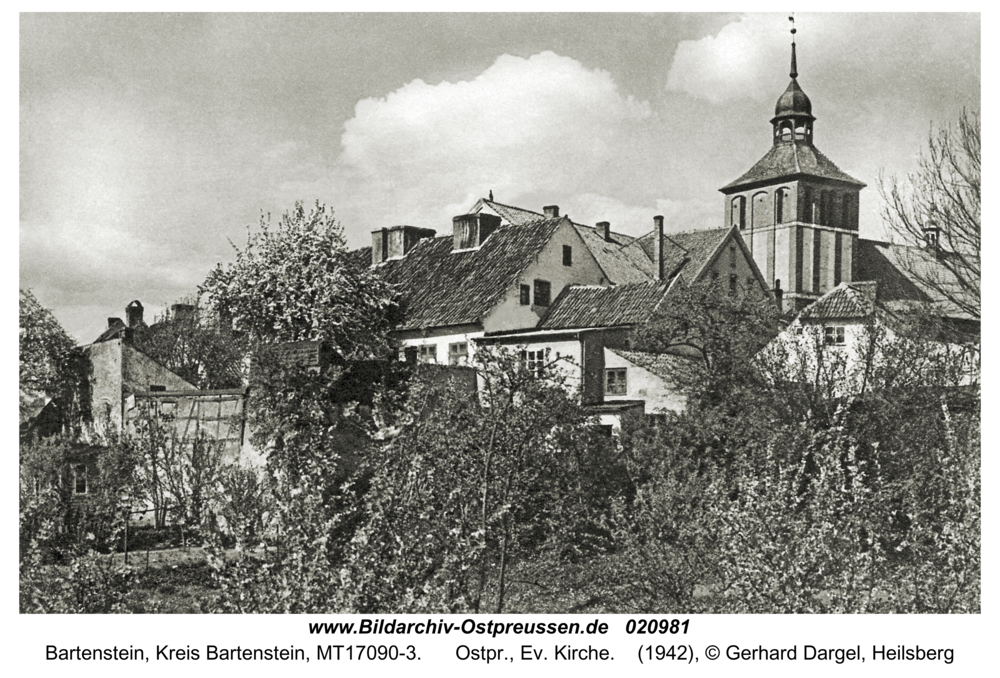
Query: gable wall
{"points": [[511, 315]]}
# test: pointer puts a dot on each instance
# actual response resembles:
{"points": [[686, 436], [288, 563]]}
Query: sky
{"points": [[151, 143]]}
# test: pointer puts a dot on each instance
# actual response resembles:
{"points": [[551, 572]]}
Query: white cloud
{"points": [[737, 63], [523, 124]]}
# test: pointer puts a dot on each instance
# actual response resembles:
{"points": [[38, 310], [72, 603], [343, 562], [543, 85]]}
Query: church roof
{"points": [[787, 160], [793, 102], [593, 306], [913, 274], [442, 287]]}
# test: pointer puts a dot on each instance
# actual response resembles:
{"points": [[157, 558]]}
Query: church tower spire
{"points": [[793, 118], [796, 210]]}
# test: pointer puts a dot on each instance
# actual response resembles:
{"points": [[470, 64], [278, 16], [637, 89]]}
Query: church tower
{"points": [[796, 210]]}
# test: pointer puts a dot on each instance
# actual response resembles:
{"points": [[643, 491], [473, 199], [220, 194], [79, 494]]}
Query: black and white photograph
{"points": [[438, 315]]}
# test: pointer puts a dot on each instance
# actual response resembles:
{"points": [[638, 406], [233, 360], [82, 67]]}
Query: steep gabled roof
{"points": [[904, 273], [593, 306], [620, 262], [440, 287], [619, 265], [689, 250], [787, 160], [845, 301], [510, 214]]}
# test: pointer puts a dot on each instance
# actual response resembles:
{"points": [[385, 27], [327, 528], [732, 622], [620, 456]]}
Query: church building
{"points": [[797, 211]]}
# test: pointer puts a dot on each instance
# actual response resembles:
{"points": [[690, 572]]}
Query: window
{"points": [[525, 295], [543, 293], [615, 382], [834, 336], [781, 204], [740, 212], [732, 284], [458, 354], [567, 255], [427, 354], [80, 479], [533, 361]]}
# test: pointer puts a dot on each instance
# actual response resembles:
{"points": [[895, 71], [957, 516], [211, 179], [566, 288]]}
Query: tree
{"points": [[467, 487], [940, 202], [297, 282], [197, 346], [51, 367]]}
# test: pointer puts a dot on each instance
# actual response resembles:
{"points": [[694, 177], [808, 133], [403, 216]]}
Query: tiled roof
{"points": [[664, 365], [592, 306], [512, 215], [620, 266], [789, 159], [903, 273], [620, 263], [441, 287], [690, 250], [846, 300]]}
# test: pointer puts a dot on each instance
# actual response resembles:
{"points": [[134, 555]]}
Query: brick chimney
{"points": [[472, 230], [604, 228], [551, 211], [397, 241], [779, 295], [133, 312], [115, 322], [658, 247]]}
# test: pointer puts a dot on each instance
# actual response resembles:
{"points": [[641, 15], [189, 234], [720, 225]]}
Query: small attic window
{"points": [[543, 293], [525, 295], [567, 255]]}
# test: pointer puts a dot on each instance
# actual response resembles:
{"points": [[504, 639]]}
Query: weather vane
{"points": [[794, 71]]}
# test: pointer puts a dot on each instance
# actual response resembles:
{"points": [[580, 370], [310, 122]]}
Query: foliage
{"points": [[808, 525], [467, 486], [943, 194], [197, 346], [297, 282], [720, 332], [50, 365]]}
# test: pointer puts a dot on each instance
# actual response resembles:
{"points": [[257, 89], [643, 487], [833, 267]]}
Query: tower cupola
{"points": [[793, 118]]}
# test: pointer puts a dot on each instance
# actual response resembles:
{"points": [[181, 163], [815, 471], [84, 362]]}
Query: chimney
{"points": [[133, 312], [658, 247], [604, 228], [115, 322], [183, 312], [396, 241], [551, 211], [472, 230], [778, 295]]}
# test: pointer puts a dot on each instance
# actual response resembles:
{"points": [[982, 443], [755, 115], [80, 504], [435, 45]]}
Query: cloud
{"points": [[737, 63], [544, 121]]}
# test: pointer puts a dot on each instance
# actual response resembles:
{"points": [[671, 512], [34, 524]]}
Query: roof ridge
{"points": [[513, 207]]}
